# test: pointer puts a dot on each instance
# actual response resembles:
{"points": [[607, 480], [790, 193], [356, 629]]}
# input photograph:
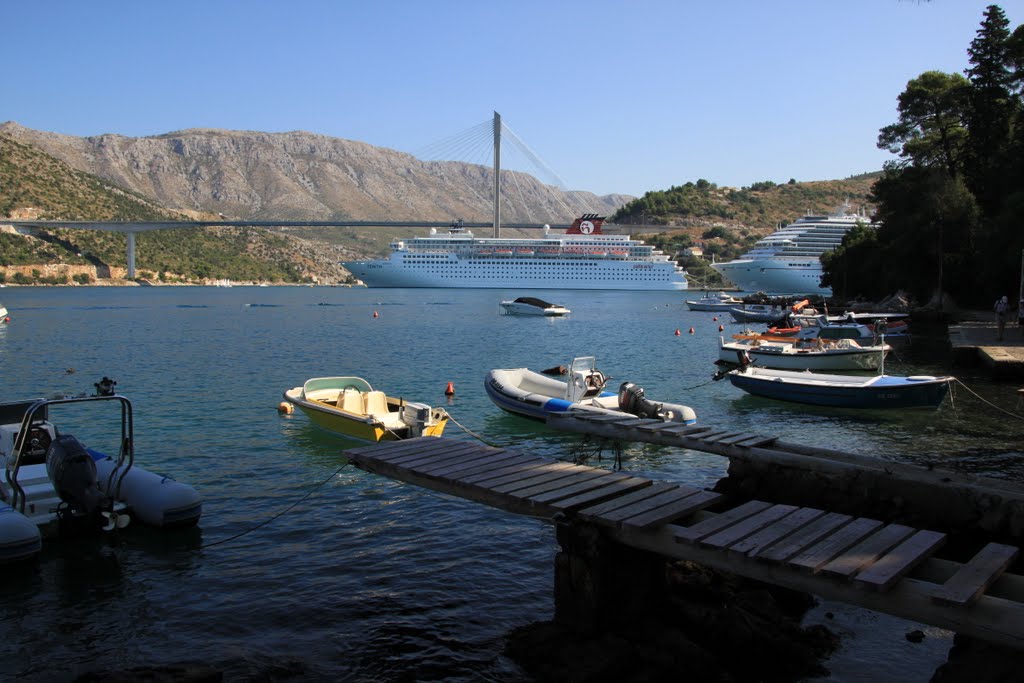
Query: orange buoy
{"points": [[677, 331], [375, 314], [715, 319], [691, 330], [285, 408], [449, 390], [720, 328]]}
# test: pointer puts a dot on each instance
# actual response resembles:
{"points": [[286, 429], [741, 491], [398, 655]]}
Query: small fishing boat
{"points": [[803, 354], [841, 391], [529, 305], [537, 395], [349, 406], [53, 484], [714, 301], [3, 314]]}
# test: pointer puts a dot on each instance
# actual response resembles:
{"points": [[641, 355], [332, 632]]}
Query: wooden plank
{"points": [[807, 535], [646, 505], [412, 460], [757, 441], [599, 418], [715, 524], [721, 438], [821, 553], [865, 552], [755, 543], [395, 451], [545, 484], [686, 430], [457, 470], [896, 563], [434, 460], [635, 422], [736, 438], [750, 525], [570, 489], [966, 587], [482, 478], [536, 474], [654, 489], [584, 498], [667, 513], [711, 435]]}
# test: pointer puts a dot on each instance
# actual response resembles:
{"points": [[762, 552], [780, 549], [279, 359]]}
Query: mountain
{"points": [[304, 176], [35, 185]]}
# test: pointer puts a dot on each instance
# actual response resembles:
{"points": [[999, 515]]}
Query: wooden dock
{"points": [[886, 567]]}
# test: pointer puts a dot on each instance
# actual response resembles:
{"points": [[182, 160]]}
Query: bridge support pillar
{"points": [[131, 255]]}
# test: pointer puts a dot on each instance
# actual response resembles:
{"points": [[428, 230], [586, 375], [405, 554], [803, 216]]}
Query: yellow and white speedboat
{"points": [[349, 406]]}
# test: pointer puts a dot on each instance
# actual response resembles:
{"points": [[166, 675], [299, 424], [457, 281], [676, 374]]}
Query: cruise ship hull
{"points": [[775, 276], [550, 274]]}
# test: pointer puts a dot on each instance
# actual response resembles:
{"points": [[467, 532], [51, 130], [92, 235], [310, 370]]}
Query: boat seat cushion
{"points": [[376, 404], [351, 400]]}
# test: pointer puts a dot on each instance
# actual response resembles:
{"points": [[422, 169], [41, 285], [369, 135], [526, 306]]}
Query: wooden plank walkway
{"points": [[889, 568]]}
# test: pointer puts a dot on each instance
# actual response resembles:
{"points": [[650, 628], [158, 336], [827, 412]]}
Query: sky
{"points": [[615, 96]]}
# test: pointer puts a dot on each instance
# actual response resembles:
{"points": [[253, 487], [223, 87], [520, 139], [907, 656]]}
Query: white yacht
{"points": [[789, 260]]}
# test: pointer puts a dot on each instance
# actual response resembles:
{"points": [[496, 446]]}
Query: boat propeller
{"points": [[115, 520]]}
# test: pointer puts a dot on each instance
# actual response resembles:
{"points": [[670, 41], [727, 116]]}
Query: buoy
{"points": [[285, 408], [720, 328], [375, 314], [715, 319], [677, 331], [691, 330], [449, 390]]}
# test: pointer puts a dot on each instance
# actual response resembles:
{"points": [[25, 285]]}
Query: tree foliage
{"points": [[951, 208]]}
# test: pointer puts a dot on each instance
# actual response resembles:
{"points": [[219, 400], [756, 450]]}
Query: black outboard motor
{"points": [[73, 473], [632, 400]]}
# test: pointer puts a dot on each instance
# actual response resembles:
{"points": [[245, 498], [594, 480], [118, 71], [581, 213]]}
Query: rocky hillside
{"points": [[303, 176], [35, 185]]}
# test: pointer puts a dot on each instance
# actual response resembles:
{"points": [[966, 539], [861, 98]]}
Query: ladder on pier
{"points": [[889, 568]]}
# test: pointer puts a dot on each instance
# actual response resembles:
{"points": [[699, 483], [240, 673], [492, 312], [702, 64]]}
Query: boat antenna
{"points": [[497, 174]]}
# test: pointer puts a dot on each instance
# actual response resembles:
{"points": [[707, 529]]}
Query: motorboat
{"points": [[538, 395], [529, 305], [714, 301], [350, 407], [54, 485], [827, 327], [803, 354], [768, 312], [842, 391], [4, 317]]}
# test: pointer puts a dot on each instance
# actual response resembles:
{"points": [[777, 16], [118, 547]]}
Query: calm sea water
{"points": [[302, 565]]}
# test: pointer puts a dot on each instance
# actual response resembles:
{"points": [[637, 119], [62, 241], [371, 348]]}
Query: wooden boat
{"points": [[529, 305], [800, 354], [349, 406], [53, 485], [842, 391], [538, 395]]}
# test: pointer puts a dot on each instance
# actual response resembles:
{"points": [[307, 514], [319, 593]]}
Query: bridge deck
{"points": [[889, 568]]}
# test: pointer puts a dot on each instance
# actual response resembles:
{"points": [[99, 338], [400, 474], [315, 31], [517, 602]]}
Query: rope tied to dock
{"points": [[471, 433], [987, 402]]}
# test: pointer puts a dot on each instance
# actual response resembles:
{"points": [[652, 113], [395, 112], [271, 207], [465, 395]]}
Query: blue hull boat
{"points": [[842, 391]]}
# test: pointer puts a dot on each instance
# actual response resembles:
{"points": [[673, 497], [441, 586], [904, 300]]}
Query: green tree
{"points": [[931, 130]]}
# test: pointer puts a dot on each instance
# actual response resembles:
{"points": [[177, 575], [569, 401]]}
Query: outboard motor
{"points": [[632, 400], [73, 472]]}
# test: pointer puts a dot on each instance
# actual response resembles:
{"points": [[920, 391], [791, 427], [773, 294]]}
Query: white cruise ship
{"points": [[581, 258], [789, 260]]}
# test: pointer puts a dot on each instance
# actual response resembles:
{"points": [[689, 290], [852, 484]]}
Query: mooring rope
{"points": [[985, 401], [471, 433], [279, 514]]}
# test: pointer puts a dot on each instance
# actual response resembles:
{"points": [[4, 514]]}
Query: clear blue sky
{"points": [[615, 96]]}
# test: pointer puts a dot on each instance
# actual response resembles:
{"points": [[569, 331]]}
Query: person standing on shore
{"points": [[1000, 308]]}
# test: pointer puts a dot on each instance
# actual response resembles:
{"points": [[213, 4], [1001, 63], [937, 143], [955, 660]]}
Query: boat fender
{"points": [[73, 473]]}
